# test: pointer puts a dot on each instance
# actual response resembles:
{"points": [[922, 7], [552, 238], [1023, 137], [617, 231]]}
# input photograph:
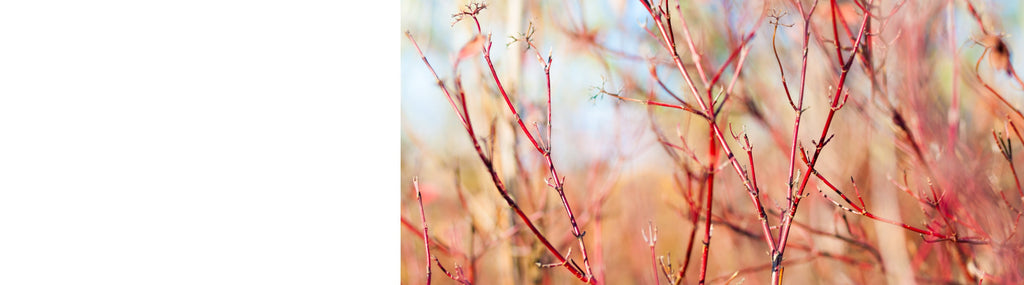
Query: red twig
{"points": [[559, 182], [799, 108], [440, 83], [862, 210], [654, 73], [457, 276], [710, 184], [684, 107], [717, 133], [694, 215], [993, 90], [835, 31], [782, 71], [423, 218], [494, 175], [694, 53], [794, 202], [440, 246], [651, 237]]}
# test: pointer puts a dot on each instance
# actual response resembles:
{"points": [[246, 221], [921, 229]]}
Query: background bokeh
{"points": [[619, 177]]}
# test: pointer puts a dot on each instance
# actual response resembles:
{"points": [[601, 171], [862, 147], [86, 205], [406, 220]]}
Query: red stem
{"points": [[787, 220], [695, 208], [497, 180], [990, 89], [800, 99], [835, 32], [439, 82], [694, 54], [651, 240], [707, 109], [423, 218], [494, 74], [559, 181], [860, 210], [712, 161]]}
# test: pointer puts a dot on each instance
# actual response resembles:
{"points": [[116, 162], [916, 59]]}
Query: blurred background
{"points": [[916, 135]]}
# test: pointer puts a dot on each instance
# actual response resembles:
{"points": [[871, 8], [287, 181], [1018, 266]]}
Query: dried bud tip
{"points": [[999, 56]]}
